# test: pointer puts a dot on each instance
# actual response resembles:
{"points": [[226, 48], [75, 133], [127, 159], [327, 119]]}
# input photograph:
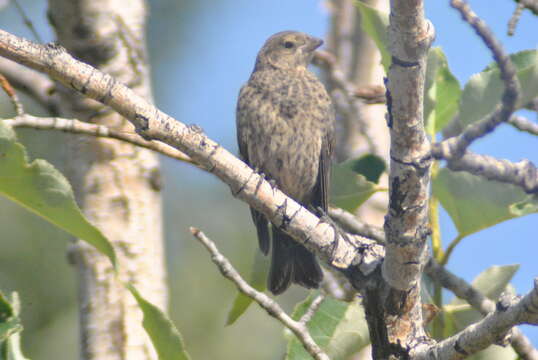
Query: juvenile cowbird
{"points": [[285, 130]]}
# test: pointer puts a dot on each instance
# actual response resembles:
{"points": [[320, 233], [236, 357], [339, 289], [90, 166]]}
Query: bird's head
{"points": [[287, 50]]}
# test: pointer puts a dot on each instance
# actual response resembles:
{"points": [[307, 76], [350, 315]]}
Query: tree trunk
{"points": [[117, 184]]}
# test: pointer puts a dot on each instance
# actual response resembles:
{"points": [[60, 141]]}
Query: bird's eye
{"points": [[289, 44]]}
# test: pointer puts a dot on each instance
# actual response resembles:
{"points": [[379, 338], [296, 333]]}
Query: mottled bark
{"points": [[117, 184]]}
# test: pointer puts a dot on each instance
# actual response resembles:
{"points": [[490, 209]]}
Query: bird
{"points": [[285, 130]]}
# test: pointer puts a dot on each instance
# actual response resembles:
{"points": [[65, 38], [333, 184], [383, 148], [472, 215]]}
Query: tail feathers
{"points": [[307, 272], [291, 262], [262, 228]]}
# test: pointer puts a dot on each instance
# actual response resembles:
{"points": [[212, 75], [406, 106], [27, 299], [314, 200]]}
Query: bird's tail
{"points": [[291, 262]]}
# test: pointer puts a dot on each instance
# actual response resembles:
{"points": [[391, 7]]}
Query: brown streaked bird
{"points": [[285, 130]]}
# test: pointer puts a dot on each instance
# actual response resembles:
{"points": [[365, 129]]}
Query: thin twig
{"points": [[12, 94], [332, 286], [515, 19], [455, 147], [524, 124], [27, 21], [523, 173], [80, 127], [297, 327], [353, 225], [373, 94], [348, 90], [314, 306], [478, 301], [34, 84]]}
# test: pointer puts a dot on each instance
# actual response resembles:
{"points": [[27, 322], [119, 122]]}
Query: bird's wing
{"points": [[262, 225], [241, 126], [320, 196]]}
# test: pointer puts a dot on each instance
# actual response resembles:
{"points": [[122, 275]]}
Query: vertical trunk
{"points": [[392, 306], [117, 184]]}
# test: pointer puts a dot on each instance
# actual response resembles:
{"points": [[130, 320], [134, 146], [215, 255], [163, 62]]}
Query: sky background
{"points": [[203, 51]]}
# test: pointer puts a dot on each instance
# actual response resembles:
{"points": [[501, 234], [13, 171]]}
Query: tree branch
{"points": [[523, 124], [8, 89], [152, 124], [81, 127], [36, 85], [483, 304], [454, 148], [523, 173], [392, 301], [353, 225], [406, 225], [297, 327], [314, 306], [492, 329]]}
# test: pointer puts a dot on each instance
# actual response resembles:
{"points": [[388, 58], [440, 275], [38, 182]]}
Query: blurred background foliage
{"points": [[201, 52]]}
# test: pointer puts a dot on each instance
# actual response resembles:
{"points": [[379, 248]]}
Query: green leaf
{"points": [[257, 281], [525, 207], [338, 327], [9, 320], [163, 334], [42, 189], [349, 185], [473, 202], [492, 281], [375, 23], [10, 328], [484, 90], [369, 165], [442, 92]]}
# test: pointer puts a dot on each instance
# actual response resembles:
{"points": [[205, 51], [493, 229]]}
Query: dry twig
{"points": [[297, 327], [81, 127], [455, 147]]}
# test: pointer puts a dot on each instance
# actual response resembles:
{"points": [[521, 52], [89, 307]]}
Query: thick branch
{"points": [[152, 124], [392, 306], [297, 327], [406, 224]]}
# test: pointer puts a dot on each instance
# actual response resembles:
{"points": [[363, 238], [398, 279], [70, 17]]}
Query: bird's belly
{"points": [[291, 161]]}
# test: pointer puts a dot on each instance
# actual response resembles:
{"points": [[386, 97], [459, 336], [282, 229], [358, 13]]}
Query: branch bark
{"points": [[152, 124], [493, 328], [273, 309], [521, 344], [394, 311], [83, 128]]}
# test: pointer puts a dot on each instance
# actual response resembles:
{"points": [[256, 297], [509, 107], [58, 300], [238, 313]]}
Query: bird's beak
{"points": [[314, 43]]}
